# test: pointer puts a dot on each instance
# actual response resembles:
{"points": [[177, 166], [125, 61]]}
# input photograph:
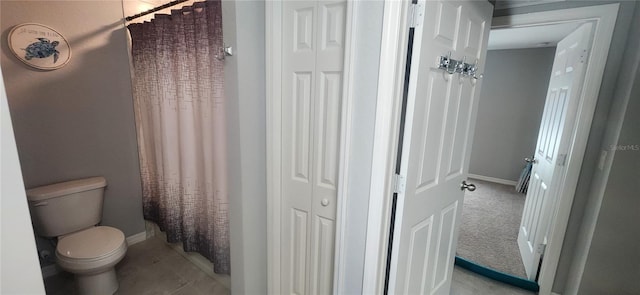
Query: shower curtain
{"points": [[179, 105]]}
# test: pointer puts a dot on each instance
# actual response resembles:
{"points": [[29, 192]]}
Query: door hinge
{"points": [[583, 56], [399, 183], [541, 249], [416, 13], [562, 159]]}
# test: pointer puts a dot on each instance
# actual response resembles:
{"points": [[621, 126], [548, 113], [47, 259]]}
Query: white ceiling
{"points": [[529, 37]]}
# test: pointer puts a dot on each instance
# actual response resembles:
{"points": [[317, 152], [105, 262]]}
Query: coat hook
{"points": [[473, 71]]}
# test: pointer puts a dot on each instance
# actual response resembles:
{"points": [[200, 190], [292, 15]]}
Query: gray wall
{"points": [[243, 24], [610, 261], [511, 103], [584, 210], [613, 262], [77, 121], [368, 34]]}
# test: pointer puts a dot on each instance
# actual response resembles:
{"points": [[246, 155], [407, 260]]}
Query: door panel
{"points": [[323, 250], [312, 77], [435, 155], [301, 119], [553, 141], [299, 221], [445, 247], [419, 248]]}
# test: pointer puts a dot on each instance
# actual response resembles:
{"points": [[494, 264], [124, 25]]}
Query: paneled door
{"points": [[557, 124], [441, 110], [313, 38]]}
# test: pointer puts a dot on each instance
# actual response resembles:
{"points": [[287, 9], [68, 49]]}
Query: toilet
{"points": [[70, 211]]}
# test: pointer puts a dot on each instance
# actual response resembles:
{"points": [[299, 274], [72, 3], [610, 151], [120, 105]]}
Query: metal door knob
{"points": [[532, 160], [467, 186], [324, 202]]}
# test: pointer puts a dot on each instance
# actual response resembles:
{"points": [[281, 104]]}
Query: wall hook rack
{"points": [[452, 66]]}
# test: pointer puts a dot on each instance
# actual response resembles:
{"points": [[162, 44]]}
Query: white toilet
{"points": [[69, 211]]}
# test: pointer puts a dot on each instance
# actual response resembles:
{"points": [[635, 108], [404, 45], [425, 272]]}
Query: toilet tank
{"points": [[61, 208]]}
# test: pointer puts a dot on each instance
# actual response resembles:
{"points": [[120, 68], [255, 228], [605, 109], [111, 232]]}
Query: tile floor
{"points": [[152, 267]]}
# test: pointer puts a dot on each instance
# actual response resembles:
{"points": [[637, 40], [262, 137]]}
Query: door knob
{"points": [[468, 186], [532, 160]]}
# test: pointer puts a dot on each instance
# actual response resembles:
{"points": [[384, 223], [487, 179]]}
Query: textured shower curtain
{"points": [[179, 105]]}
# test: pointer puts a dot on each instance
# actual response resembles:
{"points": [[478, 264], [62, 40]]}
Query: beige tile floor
{"points": [[150, 267]]}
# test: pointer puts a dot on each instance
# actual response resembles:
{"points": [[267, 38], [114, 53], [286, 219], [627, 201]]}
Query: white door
{"points": [[441, 110], [313, 35], [557, 124]]}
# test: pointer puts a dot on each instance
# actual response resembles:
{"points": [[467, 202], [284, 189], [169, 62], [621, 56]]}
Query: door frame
{"points": [[604, 18], [391, 77], [273, 57]]}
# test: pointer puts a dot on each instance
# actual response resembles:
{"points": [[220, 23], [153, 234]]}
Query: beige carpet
{"points": [[489, 230]]}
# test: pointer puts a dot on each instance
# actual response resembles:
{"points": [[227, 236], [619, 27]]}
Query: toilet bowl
{"points": [[70, 211], [91, 255]]}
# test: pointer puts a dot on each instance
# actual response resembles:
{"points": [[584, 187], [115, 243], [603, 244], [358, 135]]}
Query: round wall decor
{"points": [[39, 46]]}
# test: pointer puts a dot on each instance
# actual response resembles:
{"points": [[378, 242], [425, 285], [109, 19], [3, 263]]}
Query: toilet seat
{"points": [[91, 249], [91, 243]]}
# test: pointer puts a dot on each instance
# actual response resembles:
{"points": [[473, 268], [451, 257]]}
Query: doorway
{"points": [[549, 168], [604, 19], [512, 101]]}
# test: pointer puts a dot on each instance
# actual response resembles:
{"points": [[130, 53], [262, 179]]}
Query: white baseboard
{"points": [[49, 270], [493, 179], [137, 238]]}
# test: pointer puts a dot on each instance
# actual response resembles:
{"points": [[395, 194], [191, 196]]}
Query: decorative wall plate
{"points": [[39, 46]]}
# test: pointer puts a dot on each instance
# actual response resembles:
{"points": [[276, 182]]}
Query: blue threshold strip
{"points": [[497, 275]]}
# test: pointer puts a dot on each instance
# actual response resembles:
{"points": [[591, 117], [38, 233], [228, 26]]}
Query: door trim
{"points": [[345, 149], [391, 77], [273, 10], [395, 33], [604, 18], [273, 29]]}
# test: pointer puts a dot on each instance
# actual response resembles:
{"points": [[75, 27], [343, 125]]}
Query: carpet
{"points": [[489, 230]]}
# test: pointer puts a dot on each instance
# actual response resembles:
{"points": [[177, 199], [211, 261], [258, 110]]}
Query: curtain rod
{"points": [[161, 7]]}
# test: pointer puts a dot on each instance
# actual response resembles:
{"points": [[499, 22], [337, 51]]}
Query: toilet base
{"points": [[104, 283]]}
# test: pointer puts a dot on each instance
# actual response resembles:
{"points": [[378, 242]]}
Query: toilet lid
{"points": [[90, 243]]}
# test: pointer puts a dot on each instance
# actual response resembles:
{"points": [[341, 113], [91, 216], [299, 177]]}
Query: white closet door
{"points": [[312, 75]]}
